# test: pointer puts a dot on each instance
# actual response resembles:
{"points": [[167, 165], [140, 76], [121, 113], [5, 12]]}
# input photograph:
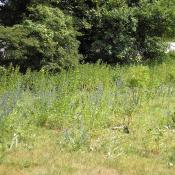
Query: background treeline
{"points": [[56, 34]]}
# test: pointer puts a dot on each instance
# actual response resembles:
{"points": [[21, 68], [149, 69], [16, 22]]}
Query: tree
{"points": [[122, 30], [45, 37], [12, 11], [47, 33]]}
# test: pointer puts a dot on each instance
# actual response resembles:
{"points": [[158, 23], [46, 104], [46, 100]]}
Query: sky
{"points": [[2, 2]]}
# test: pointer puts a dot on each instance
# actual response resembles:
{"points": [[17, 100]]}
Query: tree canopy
{"points": [[55, 33]]}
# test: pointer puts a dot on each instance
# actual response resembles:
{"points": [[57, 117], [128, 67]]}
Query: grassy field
{"points": [[94, 119]]}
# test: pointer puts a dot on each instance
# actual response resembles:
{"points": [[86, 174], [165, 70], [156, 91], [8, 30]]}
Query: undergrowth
{"points": [[115, 111]]}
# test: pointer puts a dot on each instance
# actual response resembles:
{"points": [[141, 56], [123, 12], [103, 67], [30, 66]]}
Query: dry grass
{"points": [[47, 158]]}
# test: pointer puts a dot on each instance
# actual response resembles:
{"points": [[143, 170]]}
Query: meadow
{"points": [[93, 119]]}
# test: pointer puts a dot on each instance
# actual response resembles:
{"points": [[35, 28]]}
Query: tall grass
{"points": [[114, 110]]}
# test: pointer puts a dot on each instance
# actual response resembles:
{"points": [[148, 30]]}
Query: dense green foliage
{"points": [[123, 114], [46, 38], [49, 32], [122, 31]]}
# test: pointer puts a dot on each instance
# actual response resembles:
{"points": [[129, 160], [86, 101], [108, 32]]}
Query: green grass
{"points": [[94, 119]]}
